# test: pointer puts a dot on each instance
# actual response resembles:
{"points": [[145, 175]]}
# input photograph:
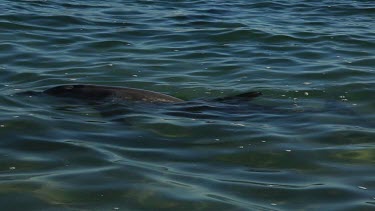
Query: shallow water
{"points": [[306, 144]]}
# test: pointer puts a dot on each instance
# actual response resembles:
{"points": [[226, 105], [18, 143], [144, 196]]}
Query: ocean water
{"points": [[308, 143]]}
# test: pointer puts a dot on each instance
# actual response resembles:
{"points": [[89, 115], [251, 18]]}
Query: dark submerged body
{"points": [[123, 94], [115, 102], [94, 92]]}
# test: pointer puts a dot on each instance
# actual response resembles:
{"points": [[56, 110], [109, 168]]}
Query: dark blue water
{"points": [[306, 144]]}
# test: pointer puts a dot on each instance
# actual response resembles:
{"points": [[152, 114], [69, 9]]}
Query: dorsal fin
{"points": [[244, 96], [248, 95]]}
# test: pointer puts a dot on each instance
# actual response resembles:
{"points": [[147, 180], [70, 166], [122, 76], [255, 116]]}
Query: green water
{"points": [[306, 144]]}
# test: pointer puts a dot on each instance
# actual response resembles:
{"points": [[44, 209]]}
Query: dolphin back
{"points": [[100, 93], [87, 92]]}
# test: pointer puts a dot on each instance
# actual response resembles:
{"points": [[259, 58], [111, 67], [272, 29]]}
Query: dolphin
{"points": [[88, 92], [113, 101]]}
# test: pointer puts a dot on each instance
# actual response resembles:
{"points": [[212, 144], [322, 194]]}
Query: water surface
{"points": [[306, 144]]}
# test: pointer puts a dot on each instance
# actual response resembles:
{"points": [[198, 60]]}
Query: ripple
{"points": [[306, 143]]}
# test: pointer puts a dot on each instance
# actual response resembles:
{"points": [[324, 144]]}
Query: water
{"points": [[306, 144]]}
